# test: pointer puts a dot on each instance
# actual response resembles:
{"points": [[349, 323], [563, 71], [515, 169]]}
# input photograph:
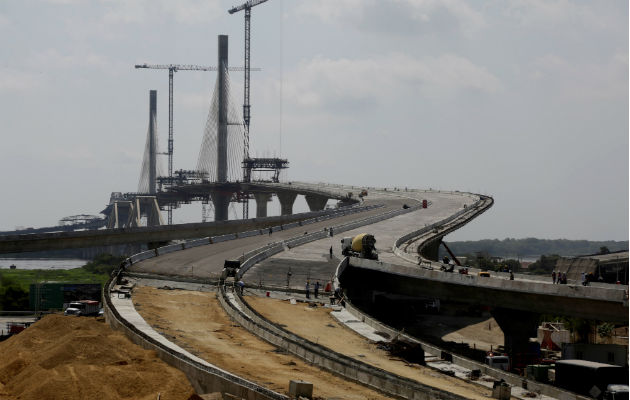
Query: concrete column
{"points": [[222, 161], [286, 202], [261, 204], [221, 202], [517, 326], [316, 203], [431, 250], [152, 141]]}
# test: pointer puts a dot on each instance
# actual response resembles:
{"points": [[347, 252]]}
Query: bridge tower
{"points": [[221, 201], [152, 141]]}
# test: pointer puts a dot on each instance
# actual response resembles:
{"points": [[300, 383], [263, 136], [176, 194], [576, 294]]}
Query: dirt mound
{"points": [[83, 358]]}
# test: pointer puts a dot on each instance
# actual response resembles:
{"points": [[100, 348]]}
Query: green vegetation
{"points": [[12, 296], [14, 283], [536, 247], [544, 265]]}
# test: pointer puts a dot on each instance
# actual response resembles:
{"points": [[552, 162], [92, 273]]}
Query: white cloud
{"points": [[570, 14], [579, 80], [14, 80], [53, 58], [397, 15], [321, 81], [182, 11], [4, 21]]}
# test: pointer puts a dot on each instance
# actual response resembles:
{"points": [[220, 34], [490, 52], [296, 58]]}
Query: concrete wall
{"points": [[339, 364], [165, 233], [203, 378], [512, 379]]}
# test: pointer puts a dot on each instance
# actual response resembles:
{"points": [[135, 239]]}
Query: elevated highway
{"points": [[446, 212], [316, 198]]}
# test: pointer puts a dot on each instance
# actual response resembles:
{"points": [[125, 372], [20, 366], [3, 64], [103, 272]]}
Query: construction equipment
{"points": [[172, 68], [247, 7], [359, 246], [83, 308]]}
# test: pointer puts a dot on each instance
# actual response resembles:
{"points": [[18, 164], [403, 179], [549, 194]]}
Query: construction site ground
{"points": [[195, 321], [63, 357]]}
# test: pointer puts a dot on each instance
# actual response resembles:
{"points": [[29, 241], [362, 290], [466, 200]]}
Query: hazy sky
{"points": [[526, 101]]}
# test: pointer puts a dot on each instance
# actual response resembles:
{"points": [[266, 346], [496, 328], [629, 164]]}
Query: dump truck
{"points": [[359, 246], [83, 308], [230, 268]]}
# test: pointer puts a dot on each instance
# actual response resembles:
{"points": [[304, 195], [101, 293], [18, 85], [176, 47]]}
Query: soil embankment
{"points": [[196, 322], [317, 325], [83, 358]]}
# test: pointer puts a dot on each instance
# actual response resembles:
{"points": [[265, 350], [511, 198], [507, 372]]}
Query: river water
{"points": [[41, 263]]}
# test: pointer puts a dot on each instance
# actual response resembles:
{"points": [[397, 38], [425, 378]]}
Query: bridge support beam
{"points": [[286, 202], [261, 204], [221, 202], [430, 251], [517, 326], [120, 214], [316, 203]]}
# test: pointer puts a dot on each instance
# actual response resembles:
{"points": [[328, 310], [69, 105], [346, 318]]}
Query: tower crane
{"points": [[172, 68], [247, 6]]}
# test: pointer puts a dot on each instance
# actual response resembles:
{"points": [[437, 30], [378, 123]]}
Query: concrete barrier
{"points": [[357, 371], [204, 378], [512, 379], [170, 248], [196, 242]]}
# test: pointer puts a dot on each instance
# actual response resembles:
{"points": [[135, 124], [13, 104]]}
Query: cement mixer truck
{"points": [[359, 246]]}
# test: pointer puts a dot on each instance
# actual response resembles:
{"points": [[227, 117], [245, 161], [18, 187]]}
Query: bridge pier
{"points": [[430, 251], [316, 203], [517, 326], [261, 204], [119, 215], [221, 202], [286, 202]]}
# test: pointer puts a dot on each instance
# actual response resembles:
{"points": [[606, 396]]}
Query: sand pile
{"points": [[83, 358]]}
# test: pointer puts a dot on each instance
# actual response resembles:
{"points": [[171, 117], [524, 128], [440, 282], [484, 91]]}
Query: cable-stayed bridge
{"points": [[223, 172]]}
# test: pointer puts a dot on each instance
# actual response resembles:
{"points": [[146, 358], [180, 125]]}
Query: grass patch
{"points": [[25, 277]]}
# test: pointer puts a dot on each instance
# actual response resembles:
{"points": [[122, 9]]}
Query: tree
{"points": [[604, 250], [12, 296]]}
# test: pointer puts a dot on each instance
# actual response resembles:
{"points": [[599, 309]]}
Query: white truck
{"points": [[497, 360], [83, 308]]}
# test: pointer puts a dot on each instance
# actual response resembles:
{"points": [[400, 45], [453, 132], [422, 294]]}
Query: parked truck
{"points": [[589, 378], [83, 308], [359, 246], [498, 360]]}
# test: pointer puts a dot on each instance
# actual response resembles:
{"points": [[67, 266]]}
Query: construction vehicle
{"points": [[230, 268], [498, 360], [83, 308], [359, 246]]}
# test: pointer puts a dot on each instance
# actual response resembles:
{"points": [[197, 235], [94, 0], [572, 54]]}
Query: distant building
{"points": [[609, 268]]}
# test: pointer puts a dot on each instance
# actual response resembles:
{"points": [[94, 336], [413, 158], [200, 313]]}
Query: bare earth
{"points": [[196, 321], [317, 325], [83, 358]]}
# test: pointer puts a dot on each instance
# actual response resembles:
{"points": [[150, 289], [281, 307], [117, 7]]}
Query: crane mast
{"points": [[247, 6]]}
